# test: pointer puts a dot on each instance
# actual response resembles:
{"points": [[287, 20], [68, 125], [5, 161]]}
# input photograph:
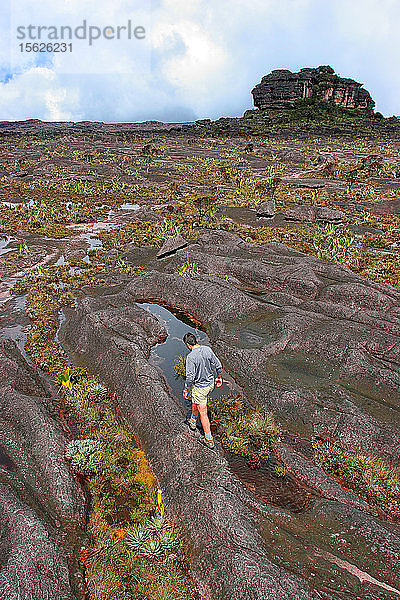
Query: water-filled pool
{"points": [[264, 483], [166, 354]]}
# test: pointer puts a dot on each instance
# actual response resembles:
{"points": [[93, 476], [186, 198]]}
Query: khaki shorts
{"points": [[200, 394]]}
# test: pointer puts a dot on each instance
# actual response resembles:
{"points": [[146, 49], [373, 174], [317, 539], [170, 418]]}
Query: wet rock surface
{"points": [[266, 209], [314, 213], [301, 213], [308, 340], [171, 245], [324, 336], [328, 215]]}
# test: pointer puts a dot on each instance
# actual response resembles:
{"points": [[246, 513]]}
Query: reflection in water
{"points": [[5, 241], [264, 483], [166, 355], [5, 460], [271, 485], [17, 333]]}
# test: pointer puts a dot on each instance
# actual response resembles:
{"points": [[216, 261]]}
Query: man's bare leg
{"points": [[204, 419]]}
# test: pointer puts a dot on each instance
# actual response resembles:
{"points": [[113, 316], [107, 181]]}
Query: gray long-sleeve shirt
{"points": [[200, 363]]}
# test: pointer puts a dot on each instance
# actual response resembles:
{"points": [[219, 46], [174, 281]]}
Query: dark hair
{"points": [[189, 338]]}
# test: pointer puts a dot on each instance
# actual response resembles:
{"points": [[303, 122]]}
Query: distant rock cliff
{"points": [[281, 89]]}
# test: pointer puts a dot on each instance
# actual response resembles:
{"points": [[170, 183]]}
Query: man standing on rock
{"points": [[200, 364]]}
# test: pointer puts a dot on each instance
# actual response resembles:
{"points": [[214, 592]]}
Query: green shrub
{"points": [[243, 429]]}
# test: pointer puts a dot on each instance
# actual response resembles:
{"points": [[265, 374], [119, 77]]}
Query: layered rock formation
{"points": [[282, 88]]}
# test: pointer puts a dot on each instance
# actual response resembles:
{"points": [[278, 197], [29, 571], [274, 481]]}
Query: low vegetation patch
{"points": [[50, 288], [368, 476], [337, 244], [242, 429], [105, 454], [333, 243], [135, 550]]}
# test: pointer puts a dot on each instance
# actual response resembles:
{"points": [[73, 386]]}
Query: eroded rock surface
{"points": [[306, 339], [41, 504], [266, 209], [171, 245]]}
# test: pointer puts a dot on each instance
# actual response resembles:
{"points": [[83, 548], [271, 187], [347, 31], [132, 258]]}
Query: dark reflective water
{"points": [[166, 355], [271, 485], [264, 483], [6, 461]]}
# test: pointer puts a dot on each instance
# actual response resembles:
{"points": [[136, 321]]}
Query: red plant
{"points": [[253, 461], [84, 556]]}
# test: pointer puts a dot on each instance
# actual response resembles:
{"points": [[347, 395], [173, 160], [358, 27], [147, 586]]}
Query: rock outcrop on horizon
{"points": [[281, 89]]}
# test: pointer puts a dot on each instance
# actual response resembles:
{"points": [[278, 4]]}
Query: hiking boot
{"points": [[208, 443], [192, 426]]}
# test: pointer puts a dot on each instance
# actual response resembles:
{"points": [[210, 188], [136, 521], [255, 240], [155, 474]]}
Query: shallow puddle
{"points": [[18, 203], [166, 354], [252, 334], [270, 484], [265, 483], [129, 206], [5, 460], [4, 244], [301, 370]]}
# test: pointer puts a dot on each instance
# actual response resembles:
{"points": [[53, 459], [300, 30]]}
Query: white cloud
{"points": [[199, 65], [369, 29], [39, 88]]}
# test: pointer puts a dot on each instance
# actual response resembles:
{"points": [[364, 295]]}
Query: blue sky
{"points": [[198, 59]]}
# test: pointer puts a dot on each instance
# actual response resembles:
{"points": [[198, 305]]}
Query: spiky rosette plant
{"points": [[85, 456], [152, 548], [137, 537], [167, 540], [97, 391], [157, 524]]}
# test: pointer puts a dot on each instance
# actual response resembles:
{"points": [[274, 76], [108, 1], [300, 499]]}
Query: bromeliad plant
{"points": [[137, 537], [135, 552], [85, 456], [155, 538]]}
